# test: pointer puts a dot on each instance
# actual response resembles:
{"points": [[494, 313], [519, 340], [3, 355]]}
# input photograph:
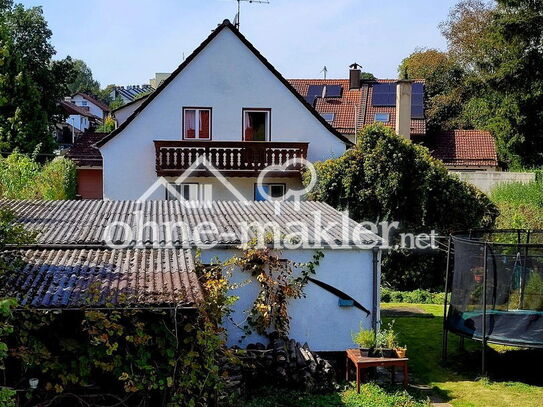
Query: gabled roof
{"points": [[94, 101], [83, 151], [72, 109], [132, 92], [465, 148], [225, 25]]}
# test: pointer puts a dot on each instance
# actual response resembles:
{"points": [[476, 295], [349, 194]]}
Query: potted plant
{"points": [[387, 341], [478, 274], [365, 339]]}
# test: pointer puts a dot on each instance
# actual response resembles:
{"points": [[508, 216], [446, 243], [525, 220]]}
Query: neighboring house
{"points": [[70, 256], [121, 114], [80, 118], [158, 79], [227, 103], [466, 150], [350, 105], [94, 106], [128, 94], [89, 165]]}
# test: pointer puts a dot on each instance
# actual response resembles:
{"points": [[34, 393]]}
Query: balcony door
{"points": [[256, 124]]}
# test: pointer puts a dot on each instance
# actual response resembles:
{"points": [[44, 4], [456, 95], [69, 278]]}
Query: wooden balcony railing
{"points": [[232, 158]]}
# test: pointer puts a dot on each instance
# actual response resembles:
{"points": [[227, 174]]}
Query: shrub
{"points": [[365, 338], [388, 178], [23, 178], [413, 297], [520, 205]]}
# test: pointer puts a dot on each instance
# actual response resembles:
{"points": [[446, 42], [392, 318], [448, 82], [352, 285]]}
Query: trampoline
{"points": [[494, 288]]}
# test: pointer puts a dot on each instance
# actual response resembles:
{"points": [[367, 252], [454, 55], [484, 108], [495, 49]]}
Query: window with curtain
{"points": [[197, 124], [256, 125]]}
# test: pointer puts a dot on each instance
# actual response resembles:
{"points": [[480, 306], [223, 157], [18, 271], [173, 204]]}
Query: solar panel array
{"points": [[384, 95], [417, 101], [319, 91]]}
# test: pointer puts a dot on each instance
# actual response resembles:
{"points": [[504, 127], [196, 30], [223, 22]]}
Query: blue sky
{"points": [[126, 41]]}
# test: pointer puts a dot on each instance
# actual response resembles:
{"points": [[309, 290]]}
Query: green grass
{"points": [[519, 194], [370, 395], [456, 381]]}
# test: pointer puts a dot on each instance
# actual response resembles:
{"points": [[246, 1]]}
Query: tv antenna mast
{"points": [[237, 19], [324, 72]]}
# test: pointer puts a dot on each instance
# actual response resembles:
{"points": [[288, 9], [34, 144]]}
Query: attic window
{"points": [[382, 117], [256, 124], [329, 117], [197, 123]]}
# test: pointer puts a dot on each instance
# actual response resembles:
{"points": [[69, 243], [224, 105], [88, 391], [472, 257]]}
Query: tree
{"points": [[83, 80], [445, 89], [31, 83], [388, 178]]}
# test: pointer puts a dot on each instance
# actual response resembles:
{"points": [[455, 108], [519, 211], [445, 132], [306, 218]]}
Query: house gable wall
{"points": [[227, 77]]}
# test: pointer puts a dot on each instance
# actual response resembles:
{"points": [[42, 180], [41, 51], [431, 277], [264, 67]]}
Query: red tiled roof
{"points": [[94, 101], [354, 109], [72, 109], [83, 151], [346, 108], [466, 147]]}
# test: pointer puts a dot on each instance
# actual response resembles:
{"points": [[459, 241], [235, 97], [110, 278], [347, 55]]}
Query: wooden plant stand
{"points": [[363, 362]]}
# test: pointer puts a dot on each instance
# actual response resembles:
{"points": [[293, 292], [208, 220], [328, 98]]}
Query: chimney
{"points": [[404, 91], [354, 76]]}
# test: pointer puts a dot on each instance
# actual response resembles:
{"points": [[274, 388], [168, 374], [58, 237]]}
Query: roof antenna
{"points": [[324, 71], [237, 18]]}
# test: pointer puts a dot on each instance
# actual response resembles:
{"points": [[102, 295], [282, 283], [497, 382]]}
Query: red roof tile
{"points": [[83, 151], [466, 148], [354, 109]]}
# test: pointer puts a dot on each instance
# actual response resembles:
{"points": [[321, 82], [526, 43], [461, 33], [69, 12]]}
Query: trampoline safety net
{"points": [[514, 287]]}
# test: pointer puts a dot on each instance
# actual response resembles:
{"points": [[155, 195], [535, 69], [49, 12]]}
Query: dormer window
{"points": [[196, 123], [256, 124]]}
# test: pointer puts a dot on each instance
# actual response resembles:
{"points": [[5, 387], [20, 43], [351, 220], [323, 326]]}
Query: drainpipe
{"points": [[376, 284]]}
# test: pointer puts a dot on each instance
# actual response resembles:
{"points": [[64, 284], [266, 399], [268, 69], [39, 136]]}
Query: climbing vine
{"points": [[280, 281]]}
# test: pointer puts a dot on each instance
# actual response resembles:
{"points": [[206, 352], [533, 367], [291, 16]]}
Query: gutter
{"points": [[376, 283]]}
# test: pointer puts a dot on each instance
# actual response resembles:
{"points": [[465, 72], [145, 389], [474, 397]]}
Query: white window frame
{"points": [[268, 121], [197, 111]]}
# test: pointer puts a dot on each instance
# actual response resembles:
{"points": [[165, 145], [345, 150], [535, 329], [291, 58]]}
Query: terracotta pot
{"points": [[401, 352], [478, 278]]}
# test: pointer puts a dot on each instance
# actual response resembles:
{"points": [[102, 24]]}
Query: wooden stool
{"points": [[364, 362]]}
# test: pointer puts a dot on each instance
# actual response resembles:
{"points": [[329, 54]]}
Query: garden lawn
{"points": [[456, 382]]}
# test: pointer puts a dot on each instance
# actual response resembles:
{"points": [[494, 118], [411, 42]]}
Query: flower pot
{"points": [[401, 352], [388, 353], [478, 278], [366, 352]]}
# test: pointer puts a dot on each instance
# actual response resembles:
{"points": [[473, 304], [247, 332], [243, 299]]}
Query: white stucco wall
{"points": [[124, 112], [486, 181], [93, 109], [78, 121], [227, 77], [317, 319]]}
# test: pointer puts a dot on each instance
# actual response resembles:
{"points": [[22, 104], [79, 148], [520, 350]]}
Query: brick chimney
{"points": [[404, 91], [354, 76]]}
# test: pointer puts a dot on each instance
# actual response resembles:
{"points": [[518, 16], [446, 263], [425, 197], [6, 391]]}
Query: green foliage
{"points": [[412, 297], [23, 178], [83, 80], [365, 338], [108, 126], [31, 83], [371, 395], [520, 205], [388, 178]]}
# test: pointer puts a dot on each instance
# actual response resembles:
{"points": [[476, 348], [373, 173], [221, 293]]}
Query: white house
{"points": [[226, 103], [92, 105], [74, 251]]}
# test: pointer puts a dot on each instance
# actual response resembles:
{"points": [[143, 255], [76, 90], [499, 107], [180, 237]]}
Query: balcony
{"points": [[231, 158]]}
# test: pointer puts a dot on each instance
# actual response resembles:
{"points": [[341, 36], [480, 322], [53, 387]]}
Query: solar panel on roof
{"points": [[333, 91], [417, 101], [314, 92], [384, 94]]}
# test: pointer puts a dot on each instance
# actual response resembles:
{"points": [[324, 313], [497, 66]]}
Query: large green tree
{"points": [[83, 81], [31, 83]]}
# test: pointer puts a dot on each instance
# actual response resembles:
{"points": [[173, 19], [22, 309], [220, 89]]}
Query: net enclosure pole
{"points": [[485, 275], [445, 343]]}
